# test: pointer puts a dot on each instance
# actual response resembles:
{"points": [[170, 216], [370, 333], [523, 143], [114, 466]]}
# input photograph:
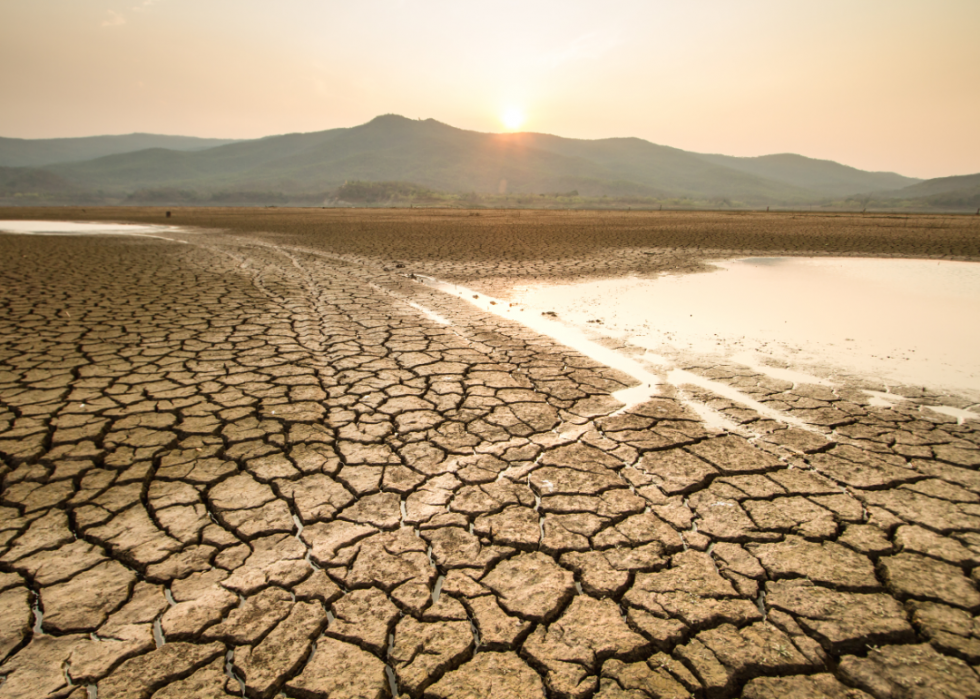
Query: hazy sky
{"points": [[877, 84]]}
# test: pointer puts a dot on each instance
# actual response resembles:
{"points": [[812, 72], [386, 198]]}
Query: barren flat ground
{"points": [[256, 457]]}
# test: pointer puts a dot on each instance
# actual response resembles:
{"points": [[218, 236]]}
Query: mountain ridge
{"points": [[24, 152], [441, 157]]}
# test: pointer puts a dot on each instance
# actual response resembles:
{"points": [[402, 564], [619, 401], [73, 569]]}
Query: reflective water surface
{"points": [[76, 228], [914, 322]]}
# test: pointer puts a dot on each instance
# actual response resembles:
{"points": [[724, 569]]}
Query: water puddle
{"points": [[914, 322], [75, 228], [878, 399], [959, 413]]}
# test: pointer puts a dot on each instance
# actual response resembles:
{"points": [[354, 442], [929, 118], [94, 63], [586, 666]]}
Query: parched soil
{"points": [[496, 248], [250, 463]]}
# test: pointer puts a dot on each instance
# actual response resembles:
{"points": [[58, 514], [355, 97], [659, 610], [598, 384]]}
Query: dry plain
{"points": [[242, 460]]}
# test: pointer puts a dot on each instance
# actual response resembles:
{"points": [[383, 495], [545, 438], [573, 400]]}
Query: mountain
{"points": [[437, 156], [22, 152], [29, 179], [434, 156], [824, 176], [940, 185], [959, 192]]}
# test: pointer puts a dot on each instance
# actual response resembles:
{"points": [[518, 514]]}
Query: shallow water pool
{"points": [[899, 321], [76, 228]]}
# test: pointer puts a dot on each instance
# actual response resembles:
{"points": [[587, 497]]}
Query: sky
{"points": [[890, 85]]}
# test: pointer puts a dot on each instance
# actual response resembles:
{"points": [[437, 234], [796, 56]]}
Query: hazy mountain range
{"points": [[438, 158]]}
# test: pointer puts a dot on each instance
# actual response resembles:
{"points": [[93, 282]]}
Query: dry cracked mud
{"points": [[236, 468]]}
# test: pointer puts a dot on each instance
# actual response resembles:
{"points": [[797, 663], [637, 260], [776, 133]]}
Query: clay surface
{"points": [[261, 459]]}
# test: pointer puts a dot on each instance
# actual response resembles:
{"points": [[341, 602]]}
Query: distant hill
{"points": [[940, 185], [21, 152], [25, 179], [427, 157], [959, 192], [439, 157], [823, 176]]}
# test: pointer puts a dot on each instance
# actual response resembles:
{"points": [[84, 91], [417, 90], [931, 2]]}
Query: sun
{"points": [[513, 118]]}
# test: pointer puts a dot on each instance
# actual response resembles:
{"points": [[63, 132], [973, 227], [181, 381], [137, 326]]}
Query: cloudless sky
{"points": [[877, 84]]}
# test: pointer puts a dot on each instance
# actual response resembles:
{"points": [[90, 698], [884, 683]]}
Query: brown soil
{"points": [[505, 245], [230, 450]]}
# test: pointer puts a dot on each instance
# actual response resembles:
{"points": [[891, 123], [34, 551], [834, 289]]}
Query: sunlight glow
{"points": [[513, 118]]}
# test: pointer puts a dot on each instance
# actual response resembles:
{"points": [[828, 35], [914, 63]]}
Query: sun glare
{"points": [[513, 119]]}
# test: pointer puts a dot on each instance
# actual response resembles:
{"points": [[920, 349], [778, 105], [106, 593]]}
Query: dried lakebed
{"points": [[235, 468]]}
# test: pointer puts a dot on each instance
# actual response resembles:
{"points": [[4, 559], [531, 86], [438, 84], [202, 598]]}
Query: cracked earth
{"points": [[233, 468]]}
